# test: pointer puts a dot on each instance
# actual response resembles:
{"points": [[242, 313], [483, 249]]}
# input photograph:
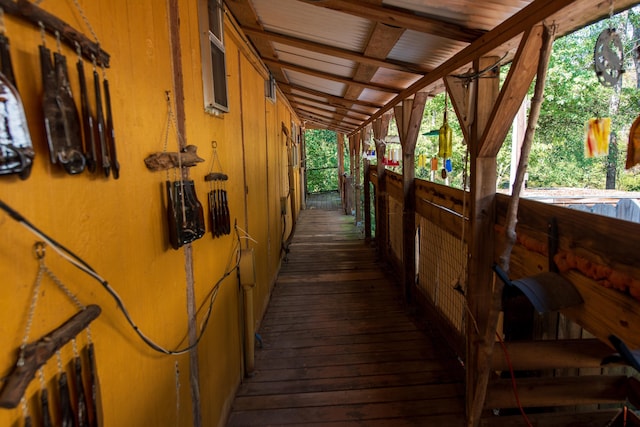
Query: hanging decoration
{"points": [[184, 212], [633, 150], [219, 218], [422, 161], [16, 149], [369, 152], [74, 407], [392, 156], [61, 118], [608, 55], [445, 140], [597, 132]]}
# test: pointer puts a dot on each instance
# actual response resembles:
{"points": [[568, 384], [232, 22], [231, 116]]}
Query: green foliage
{"points": [[322, 160], [572, 96]]}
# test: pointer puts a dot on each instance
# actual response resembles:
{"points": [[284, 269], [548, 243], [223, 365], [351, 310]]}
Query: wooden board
{"points": [[338, 346]]}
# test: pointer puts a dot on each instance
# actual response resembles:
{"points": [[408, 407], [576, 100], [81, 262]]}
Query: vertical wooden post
{"points": [[357, 178], [380, 130], [408, 119], [341, 169], [178, 88], [482, 217], [367, 185]]}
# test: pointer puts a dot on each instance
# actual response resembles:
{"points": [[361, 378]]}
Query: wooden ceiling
{"points": [[342, 63]]}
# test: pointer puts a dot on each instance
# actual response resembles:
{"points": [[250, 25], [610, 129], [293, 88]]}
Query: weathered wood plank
{"points": [[338, 346]]}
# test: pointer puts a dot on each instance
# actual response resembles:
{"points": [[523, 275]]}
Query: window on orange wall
{"points": [[214, 69]]}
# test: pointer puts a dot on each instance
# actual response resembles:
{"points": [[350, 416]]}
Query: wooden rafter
{"points": [[401, 18], [319, 105], [331, 98], [523, 70], [329, 76], [329, 115], [342, 106]]}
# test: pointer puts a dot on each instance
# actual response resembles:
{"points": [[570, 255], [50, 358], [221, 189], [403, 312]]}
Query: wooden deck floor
{"points": [[339, 348]]}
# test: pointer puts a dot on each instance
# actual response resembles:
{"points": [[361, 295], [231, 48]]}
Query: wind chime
{"points": [[16, 148], [78, 394], [184, 212], [219, 218], [392, 153], [608, 63], [445, 144]]}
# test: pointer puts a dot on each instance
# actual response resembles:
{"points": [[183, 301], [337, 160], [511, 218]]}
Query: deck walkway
{"points": [[339, 348]]}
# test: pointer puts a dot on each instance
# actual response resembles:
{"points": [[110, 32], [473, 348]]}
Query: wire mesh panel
{"points": [[395, 228], [442, 271]]}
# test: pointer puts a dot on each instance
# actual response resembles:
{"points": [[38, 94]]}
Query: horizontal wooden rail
{"points": [[552, 354], [558, 391]]}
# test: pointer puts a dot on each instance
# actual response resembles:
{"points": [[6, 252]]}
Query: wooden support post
{"points": [[357, 178], [491, 324], [366, 185], [341, 169], [482, 218], [408, 119], [380, 129]]}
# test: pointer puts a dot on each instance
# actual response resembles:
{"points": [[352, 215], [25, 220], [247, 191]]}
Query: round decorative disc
{"points": [[608, 58]]}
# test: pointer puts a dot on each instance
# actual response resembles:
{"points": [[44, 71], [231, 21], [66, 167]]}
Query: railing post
{"points": [[380, 129], [367, 201], [408, 119]]}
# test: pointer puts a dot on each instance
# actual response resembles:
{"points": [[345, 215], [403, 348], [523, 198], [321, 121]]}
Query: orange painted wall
{"points": [[119, 227]]}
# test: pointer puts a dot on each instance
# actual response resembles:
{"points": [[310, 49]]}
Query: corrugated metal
{"points": [[484, 15], [424, 49], [314, 60], [304, 21], [315, 83]]}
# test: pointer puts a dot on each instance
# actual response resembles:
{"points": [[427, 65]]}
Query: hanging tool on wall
{"points": [[61, 119], [219, 218]]}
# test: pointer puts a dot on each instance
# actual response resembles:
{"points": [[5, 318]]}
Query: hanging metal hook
{"points": [[40, 250], [3, 28], [78, 50], [43, 33], [58, 47]]}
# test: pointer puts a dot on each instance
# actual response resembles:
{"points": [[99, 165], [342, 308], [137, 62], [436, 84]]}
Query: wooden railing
{"points": [[598, 255]]}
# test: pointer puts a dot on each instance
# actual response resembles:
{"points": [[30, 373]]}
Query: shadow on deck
{"points": [[338, 346]]}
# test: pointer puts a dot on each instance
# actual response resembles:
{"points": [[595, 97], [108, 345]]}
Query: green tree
{"points": [[321, 160]]}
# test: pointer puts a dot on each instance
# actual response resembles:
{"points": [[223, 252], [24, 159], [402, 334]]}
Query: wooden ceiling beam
{"points": [[256, 33], [332, 77], [327, 124], [516, 85], [332, 98], [329, 115], [338, 106], [325, 107], [401, 18]]}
